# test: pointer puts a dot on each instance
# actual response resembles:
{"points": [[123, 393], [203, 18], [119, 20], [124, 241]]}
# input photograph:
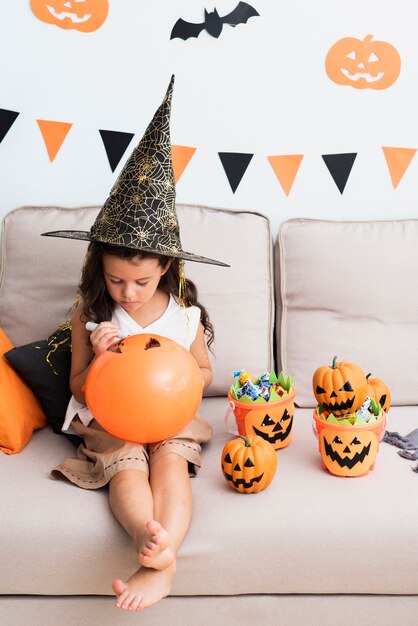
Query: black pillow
{"points": [[45, 366]]}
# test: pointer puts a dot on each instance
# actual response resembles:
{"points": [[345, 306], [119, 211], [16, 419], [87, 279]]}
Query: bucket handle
{"points": [[231, 407], [314, 428]]}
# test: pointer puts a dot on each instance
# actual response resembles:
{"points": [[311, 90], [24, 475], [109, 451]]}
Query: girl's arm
{"points": [[85, 347], [199, 351]]}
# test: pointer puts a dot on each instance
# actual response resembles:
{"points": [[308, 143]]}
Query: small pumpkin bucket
{"points": [[348, 450], [272, 421]]}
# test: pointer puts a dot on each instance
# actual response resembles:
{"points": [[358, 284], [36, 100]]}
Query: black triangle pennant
{"points": [[235, 164], [339, 166], [115, 143], [7, 119]]}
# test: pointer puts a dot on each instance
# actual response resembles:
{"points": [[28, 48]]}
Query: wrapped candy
{"points": [[250, 390], [243, 375], [364, 411], [267, 387]]}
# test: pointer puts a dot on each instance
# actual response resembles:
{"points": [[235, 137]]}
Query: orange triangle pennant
{"points": [[181, 156], [398, 160], [54, 134], [286, 167]]}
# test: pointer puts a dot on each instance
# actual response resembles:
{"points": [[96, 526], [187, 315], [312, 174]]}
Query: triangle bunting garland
{"points": [[339, 166], [54, 134], [398, 161], [235, 165], [181, 156], [7, 119], [286, 167], [115, 143]]}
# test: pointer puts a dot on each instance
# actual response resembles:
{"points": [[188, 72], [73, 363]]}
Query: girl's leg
{"points": [[157, 538], [171, 490], [132, 504]]}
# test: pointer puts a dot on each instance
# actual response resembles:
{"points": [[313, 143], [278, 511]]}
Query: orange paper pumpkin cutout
{"points": [[363, 64], [82, 15], [144, 388], [272, 421]]}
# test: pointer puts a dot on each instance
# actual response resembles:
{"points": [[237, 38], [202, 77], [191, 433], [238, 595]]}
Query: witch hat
{"points": [[140, 212]]}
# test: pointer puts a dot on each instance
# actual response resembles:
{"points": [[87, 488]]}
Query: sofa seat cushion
{"points": [[308, 532], [349, 289], [35, 297]]}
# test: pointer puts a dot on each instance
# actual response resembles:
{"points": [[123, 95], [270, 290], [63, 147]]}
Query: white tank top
{"points": [[177, 323]]}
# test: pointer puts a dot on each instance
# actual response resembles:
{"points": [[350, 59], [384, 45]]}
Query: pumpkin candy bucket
{"points": [[272, 421], [348, 450]]}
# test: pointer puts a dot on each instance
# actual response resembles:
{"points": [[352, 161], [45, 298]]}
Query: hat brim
{"points": [[82, 235]]}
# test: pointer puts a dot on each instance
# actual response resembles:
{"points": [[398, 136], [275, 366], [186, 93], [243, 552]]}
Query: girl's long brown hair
{"points": [[97, 304]]}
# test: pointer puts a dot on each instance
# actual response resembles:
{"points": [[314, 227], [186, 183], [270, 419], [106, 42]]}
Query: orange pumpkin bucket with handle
{"points": [[272, 421], [348, 450]]}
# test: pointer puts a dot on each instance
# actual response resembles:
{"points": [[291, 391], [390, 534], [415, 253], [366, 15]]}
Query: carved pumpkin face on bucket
{"points": [[363, 64], [271, 423], [350, 452], [340, 388], [83, 15]]}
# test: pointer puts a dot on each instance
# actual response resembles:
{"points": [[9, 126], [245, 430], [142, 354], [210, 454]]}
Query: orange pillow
{"points": [[20, 411]]}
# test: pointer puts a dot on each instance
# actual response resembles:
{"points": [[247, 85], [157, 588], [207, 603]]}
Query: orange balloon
{"points": [[144, 388]]}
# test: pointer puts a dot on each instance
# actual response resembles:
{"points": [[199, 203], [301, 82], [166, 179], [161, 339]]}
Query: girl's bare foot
{"points": [[146, 587], [156, 553]]}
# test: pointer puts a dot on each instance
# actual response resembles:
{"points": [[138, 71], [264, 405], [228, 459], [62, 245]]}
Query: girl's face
{"points": [[132, 282]]}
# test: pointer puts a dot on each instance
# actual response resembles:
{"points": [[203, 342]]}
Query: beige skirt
{"points": [[102, 455]]}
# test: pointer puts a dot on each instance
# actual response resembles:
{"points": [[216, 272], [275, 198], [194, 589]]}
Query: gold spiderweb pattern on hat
{"points": [[140, 211]]}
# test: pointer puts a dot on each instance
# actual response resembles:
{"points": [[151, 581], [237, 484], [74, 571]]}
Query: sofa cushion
{"points": [[45, 366], [20, 411], [348, 289], [308, 532], [40, 276]]}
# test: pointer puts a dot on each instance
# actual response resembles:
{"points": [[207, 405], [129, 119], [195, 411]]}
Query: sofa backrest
{"points": [[348, 289], [39, 277]]}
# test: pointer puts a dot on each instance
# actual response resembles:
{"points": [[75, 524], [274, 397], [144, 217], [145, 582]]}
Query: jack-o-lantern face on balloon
{"points": [[82, 15], [340, 388], [363, 63], [271, 423], [348, 453]]}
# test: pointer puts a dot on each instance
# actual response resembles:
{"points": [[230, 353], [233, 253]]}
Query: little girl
{"points": [[133, 282], [149, 487]]}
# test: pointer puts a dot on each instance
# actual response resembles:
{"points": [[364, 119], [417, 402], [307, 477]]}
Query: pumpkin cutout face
{"points": [[350, 452], [363, 64], [272, 421], [273, 424], [379, 391], [248, 464], [83, 15], [340, 388]]}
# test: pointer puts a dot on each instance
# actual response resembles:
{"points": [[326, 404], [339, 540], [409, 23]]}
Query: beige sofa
{"points": [[310, 549]]}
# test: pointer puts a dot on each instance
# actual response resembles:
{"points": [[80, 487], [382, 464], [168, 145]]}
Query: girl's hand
{"points": [[103, 336]]}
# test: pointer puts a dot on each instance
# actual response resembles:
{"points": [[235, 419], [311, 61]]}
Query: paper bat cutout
{"points": [[213, 23]]}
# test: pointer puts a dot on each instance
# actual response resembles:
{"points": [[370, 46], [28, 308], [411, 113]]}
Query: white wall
{"points": [[260, 88]]}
